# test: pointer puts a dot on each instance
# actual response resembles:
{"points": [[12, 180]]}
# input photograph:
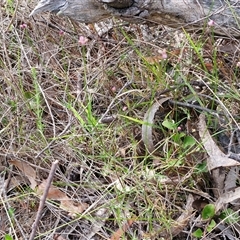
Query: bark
{"points": [[222, 15]]}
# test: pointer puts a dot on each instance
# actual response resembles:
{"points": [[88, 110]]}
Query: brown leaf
{"points": [[199, 204], [54, 193], [154, 59], [27, 170], [216, 157], [15, 181], [118, 234], [58, 237], [66, 203], [72, 207]]}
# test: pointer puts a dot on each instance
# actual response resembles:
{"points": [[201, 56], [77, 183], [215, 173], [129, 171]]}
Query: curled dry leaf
{"points": [[148, 124], [27, 170], [216, 157], [66, 203]]}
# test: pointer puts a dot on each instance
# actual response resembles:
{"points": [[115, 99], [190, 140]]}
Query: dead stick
{"points": [[43, 199]]}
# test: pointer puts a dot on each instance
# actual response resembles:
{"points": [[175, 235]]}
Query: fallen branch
{"points": [[219, 16]]}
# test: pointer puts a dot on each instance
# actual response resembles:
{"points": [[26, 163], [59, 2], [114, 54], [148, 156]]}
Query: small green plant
{"points": [[179, 137], [229, 216], [211, 225], [208, 211], [198, 233], [89, 122], [8, 237], [169, 124], [10, 6]]}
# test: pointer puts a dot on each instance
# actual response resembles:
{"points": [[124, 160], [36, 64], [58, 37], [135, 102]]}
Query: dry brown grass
{"points": [[53, 94]]}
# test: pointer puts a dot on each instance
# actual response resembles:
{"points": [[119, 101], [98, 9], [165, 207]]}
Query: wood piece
{"points": [[222, 16]]}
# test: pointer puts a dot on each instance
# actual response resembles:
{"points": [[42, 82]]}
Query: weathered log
{"points": [[222, 15]]}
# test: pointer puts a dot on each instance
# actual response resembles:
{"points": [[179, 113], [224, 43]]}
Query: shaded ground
{"points": [[81, 94]]}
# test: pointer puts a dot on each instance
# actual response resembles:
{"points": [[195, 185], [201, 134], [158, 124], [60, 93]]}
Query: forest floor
{"points": [[140, 122]]}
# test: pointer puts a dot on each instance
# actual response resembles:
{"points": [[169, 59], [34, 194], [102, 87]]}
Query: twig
{"points": [[43, 199], [189, 105]]}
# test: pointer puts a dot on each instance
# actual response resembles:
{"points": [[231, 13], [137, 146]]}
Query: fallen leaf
{"points": [[66, 203], [154, 59], [216, 157], [218, 177], [231, 179], [59, 237], [122, 187], [199, 204], [73, 208], [27, 170], [148, 124], [227, 197], [119, 233], [54, 193], [14, 182]]}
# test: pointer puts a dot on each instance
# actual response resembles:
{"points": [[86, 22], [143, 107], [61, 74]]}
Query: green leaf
{"points": [[8, 237], [198, 233], [188, 141], [169, 124], [208, 211], [211, 225]]}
